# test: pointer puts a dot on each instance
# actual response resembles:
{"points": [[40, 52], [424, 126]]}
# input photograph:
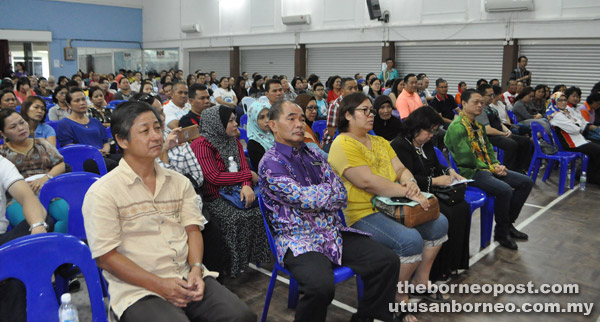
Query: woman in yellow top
{"points": [[369, 166]]}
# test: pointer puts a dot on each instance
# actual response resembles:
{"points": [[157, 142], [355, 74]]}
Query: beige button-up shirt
{"points": [[120, 213]]}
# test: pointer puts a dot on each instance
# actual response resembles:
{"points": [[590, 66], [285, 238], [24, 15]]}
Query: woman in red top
{"points": [[243, 233], [461, 87], [336, 89], [23, 89]]}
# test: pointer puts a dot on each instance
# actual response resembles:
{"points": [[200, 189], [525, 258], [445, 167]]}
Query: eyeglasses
{"points": [[561, 100], [367, 111], [312, 107], [432, 131], [147, 98]]}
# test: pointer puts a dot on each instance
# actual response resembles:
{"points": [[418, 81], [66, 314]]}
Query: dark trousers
{"points": [[592, 150], [517, 151], [218, 304], [511, 192], [13, 303], [377, 265]]}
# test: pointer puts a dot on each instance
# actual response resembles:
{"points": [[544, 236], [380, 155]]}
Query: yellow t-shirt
{"points": [[347, 152]]}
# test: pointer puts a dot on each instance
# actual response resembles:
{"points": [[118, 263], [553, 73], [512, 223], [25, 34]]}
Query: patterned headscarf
{"points": [[265, 139], [213, 129]]}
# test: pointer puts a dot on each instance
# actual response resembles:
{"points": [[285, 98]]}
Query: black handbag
{"points": [[450, 195], [547, 148]]}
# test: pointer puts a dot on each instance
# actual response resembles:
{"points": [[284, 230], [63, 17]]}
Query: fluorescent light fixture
{"points": [[231, 4]]}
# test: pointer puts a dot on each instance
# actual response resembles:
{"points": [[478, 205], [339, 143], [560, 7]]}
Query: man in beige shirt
{"points": [[143, 227]]}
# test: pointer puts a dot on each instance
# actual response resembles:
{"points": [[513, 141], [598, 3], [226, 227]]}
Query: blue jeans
{"points": [[511, 192], [406, 242]]}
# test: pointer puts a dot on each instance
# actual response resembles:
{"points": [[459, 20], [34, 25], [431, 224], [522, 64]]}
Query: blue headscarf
{"points": [[265, 139]]}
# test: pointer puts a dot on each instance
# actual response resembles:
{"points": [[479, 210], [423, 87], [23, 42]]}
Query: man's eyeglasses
{"points": [[367, 111], [561, 100]]}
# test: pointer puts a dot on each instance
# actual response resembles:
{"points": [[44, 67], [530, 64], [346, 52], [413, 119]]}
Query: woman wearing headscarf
{"points": [[385, 125], [244, 237], [309, 106], [260, 138], [461, 87]]}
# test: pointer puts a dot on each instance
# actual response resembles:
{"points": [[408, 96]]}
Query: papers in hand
{"points": [[35, 177], [455, 182]]}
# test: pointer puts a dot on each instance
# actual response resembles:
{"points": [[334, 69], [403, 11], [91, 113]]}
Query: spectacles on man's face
{"points": [[367, 111], [561, 100]]}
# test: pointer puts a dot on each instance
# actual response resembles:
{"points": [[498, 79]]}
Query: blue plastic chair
{"points": [[48, 100], [512, 116], [477, 198], [71, 187], [244, 121], [340, 273], [54, 125], [584, 158], [564, 159], [499, 154], [76, 154], [33, 259], [112, 104], [319, 128]]}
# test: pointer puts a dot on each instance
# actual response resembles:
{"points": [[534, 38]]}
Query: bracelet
{"points": [[37, 224], [413, 180], [202, 267]]}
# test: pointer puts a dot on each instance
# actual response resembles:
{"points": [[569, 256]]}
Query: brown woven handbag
{"points": [[407, 212]]}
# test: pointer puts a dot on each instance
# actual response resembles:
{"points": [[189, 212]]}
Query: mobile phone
{"points": [[188, 133], [400, 199]]}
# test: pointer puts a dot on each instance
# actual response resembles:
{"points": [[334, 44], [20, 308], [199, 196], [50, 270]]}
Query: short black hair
{"points": [[312, 79], [466, 95], [195, 87], [493, 80], [93, 89], [102, 79], [520, 58], [74, 90], [408, 76], [509, 80], [318, 85], [345, 80], [348, 104], [481, 81], [497, 90], [557, 87], [27, 104], [482, 87], [123, 116], [356, 75], [23, 81], [571, 90], [594, 97], [526, 91], [270, 82], [7, 91], [440, 81], [420, 76], [423, 118], [389, 58], [58, 89], [72, 83]]}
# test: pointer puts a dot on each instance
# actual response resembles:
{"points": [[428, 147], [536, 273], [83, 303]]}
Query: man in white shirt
{"points": [[178, 106], [511, 94], [136, 86]]}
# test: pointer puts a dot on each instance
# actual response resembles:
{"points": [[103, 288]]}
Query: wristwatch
{"points": [[202, 267], [413, 180], [37, 224], [49, 176]]}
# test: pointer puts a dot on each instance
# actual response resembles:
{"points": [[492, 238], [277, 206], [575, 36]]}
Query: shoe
{"points": [[355, 318], [514, 233], [436, 297], [506, 241], [74, 285]]}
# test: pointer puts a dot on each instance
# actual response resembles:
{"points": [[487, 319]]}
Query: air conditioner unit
{"points": [[191, 28], [507, 5], [296, 20]]}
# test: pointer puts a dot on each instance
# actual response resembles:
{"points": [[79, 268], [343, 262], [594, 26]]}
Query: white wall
{"points": [[258, 22]]}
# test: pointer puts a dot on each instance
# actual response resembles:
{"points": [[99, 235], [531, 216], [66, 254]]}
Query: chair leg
{"points": [[573, 173], [487, 222], [549, 168], [293, 293], [269, 294], [564, 165], [359, 287]]}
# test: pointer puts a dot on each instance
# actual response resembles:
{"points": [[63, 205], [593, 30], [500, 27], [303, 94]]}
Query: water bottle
{"points": [[232, 165], [67, 312], [582, 181]]}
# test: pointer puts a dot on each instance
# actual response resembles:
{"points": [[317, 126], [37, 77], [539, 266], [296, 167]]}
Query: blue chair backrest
{"points": [[33, 259], [112, 104], [54, 125], [556, 139], [18, 108], [75, 155], [535, 129], [452, 163], [108, 133], [441, 157], [319, 127], [243, 135], [244, 121], [264, 210], [71, 187], [512, 116], [246, 102]]}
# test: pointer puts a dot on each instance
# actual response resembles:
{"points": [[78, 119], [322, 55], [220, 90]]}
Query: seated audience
{"points": [[539, 100], [510, 95], [23, 89], [571, 127], [384, 124], [443, 103], [8, 100], [147, 87], [523, 109], [368, 167], [474, 155], [308, 103], [462, 86], [335, 89], [79, 128], [148, 279], [260, 138], [224, 95], [257, 90], [319, 94], [374, 88], [288, 92], [13, 302], [310, 236], [104, 84], [37, 161], [397, 88], [409, 99], [61, 108], [240, 88], [42, 89], [244, 237], [589, 108], [517, 148], [178, 106], [98, 109], [34, 112], [125, 92], [348, 86], [415, 150], [199, 101]]}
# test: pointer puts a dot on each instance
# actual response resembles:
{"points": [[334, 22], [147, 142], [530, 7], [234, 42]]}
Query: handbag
{"points": [[232, 194], [547, 148], [450, 195], [407, 212]]}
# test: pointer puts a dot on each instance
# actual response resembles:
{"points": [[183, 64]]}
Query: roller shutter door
{"points": [[208, 61], [343, 61], [268, 62], [572, 65], [454, 63]]}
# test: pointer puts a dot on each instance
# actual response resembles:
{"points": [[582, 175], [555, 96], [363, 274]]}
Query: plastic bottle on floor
{"points": [[67, 312], [582, 181]]}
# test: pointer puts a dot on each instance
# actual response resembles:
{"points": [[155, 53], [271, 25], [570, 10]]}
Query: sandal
{"points": [[401, 316], [436, 297]]}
